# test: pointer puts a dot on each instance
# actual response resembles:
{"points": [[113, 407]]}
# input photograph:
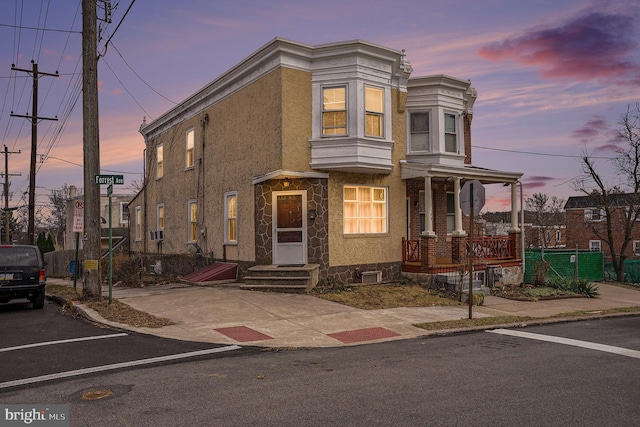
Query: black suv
{"points": [[22, 274]]}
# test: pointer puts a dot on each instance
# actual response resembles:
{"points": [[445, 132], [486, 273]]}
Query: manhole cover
{"points": [[96, 394]]}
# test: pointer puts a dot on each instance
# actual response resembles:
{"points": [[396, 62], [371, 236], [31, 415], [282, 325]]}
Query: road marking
{"points": [[40, 344], [568, 341], [116, 366]]}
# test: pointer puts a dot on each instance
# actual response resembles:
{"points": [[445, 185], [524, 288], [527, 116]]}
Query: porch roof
{"points": [[466, 172]]}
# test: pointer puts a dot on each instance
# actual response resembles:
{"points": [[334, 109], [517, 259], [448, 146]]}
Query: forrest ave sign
{"points": [[466, 197]]}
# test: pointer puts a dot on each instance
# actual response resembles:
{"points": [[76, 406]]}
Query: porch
{"points": [[487, 251]]}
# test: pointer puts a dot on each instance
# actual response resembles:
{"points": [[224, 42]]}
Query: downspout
{"points": [[203, 123]]}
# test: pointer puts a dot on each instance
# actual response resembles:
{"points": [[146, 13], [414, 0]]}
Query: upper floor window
{"points": [[193, 224], [365, 210], [334, 110], [189, 148], [159, 161], [419, 139], [450, 133], [594, 214], [374, 111], [231, 218], [636, 247]]}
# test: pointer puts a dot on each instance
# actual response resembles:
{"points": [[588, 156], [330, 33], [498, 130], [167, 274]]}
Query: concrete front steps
{"points": [[282, 278]]}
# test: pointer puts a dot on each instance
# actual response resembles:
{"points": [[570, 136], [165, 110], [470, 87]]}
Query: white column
{"points": [[428, 208], [459, 231], [514, 209]]}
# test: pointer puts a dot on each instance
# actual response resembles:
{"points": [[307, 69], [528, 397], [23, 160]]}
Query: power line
{"points": [[20, 27], [541, 154]]}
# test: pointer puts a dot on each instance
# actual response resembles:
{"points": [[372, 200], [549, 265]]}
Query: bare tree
{"points": [[547, 214], [620, 203], [58, 210]]}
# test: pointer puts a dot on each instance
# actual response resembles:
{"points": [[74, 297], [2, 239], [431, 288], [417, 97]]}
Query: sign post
{"points": [[110, 180], [471, 198], [78, 227]]}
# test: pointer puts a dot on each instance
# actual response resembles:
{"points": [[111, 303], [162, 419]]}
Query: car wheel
{"points": [[38, 299]]}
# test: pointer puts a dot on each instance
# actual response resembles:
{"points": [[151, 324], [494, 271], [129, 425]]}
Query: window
{"points": [[334, 111], [160, 223], [190, 138], [421, 210], [160, 162], [374, 106], [138, 222], [558, 236], [193, 225], [231, 218], [451, 213], [450, 134], [124, 212], [636, 247], [419, 140], [594, 214], [595, 245], [365, 210]]}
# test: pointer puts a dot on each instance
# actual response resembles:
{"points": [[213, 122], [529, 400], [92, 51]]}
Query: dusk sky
{"points": [[553, 77]]}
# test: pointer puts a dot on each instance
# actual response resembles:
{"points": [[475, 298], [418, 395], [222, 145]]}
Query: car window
{"points": [[18, 257]]}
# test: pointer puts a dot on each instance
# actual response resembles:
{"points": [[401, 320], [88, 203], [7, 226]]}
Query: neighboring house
{"points": [[547, 236], [585, 213], [119, 218], [326, 155]]}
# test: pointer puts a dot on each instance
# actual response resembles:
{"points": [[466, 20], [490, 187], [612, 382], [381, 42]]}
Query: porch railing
{"points": [[487, 248]]}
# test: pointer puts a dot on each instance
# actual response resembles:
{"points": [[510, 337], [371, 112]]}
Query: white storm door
{"points": [[289, 227]]}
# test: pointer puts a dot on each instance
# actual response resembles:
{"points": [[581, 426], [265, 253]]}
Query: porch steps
{"points": [[282, 278]]}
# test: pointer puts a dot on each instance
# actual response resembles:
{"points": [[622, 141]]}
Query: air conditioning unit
{"points": [[160, 235]]}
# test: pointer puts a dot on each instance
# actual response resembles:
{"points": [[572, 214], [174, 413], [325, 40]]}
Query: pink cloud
{"points": [[118, 91], [592, 46], [591, 129]]}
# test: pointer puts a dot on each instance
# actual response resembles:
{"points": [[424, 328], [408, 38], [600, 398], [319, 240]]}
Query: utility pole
{"points": [[91, 149], [35, 74], [7, 212]]}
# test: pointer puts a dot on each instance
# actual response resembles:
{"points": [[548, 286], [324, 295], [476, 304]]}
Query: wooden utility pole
{"points": [[35, 74], [7, 211], [91, 150]]}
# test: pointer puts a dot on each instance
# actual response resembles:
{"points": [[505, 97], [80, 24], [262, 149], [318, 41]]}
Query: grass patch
{"points": [[375, 297], [115, 312], [619, 310]]}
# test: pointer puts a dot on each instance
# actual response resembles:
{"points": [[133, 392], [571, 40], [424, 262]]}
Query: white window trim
{"points": [[588, 214], [452, 214], [158, 174], [636, 247], [429, 149], [227, 196], [190, 203], [383, 114], [138, 221], [599, 245], [444, 132], [187, 166], [345, 86], [386, 202]]}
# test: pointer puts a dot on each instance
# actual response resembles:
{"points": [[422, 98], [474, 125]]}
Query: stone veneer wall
{"points": [[317, 230], [349, 273]]}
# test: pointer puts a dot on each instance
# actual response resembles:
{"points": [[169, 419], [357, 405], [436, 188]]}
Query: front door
{"points": [[289, 227]]}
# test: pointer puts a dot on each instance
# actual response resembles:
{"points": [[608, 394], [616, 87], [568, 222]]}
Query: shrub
{"points": [[580, 286]]}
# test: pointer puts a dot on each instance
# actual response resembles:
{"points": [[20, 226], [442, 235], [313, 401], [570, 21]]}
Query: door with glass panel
{"points": [[289, 227]]}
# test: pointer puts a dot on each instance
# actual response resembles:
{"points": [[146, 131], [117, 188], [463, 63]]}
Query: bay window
{"points": [[419, 138], [334, 111], [450, 133], [374, 111]]}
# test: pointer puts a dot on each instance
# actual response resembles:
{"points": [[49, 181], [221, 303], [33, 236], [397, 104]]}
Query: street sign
{"points": [[78, 216], [466, 197], [109, 179]]}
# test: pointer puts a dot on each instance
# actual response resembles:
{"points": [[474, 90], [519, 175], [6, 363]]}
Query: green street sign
{"points": [[109, 179]]}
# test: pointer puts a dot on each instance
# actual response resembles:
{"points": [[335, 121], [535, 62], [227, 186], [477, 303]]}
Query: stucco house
{"points": [[329, 158]]}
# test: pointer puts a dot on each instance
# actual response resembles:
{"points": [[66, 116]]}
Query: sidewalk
{"points": [[228, 315]]}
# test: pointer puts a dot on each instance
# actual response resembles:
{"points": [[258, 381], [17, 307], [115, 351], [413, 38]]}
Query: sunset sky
{"points": [[553, 77]]}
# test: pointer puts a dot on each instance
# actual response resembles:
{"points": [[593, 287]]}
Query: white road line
{"points": [[568, 341], [116, 366], [40, 344]]}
